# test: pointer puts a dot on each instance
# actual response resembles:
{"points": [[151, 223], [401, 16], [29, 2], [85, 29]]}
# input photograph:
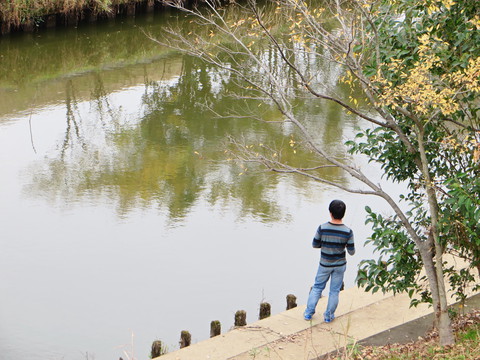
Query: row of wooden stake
{"points": [[158, 348]]}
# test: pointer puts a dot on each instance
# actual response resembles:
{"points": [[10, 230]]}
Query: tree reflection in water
{"points": [[173, 152]]}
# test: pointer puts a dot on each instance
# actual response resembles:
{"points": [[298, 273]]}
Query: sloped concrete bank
{"points": [[361, 317], [410, 331]]}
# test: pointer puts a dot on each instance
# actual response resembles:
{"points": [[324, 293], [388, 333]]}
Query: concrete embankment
{"points": [[28, 16], [361, 317]]}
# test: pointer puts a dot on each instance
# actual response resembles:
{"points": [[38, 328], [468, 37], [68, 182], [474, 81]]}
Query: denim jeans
{"points": [[323, 274]]}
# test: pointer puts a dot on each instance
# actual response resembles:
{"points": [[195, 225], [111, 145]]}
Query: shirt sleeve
{"points": [[317, 240], [351, 244]]}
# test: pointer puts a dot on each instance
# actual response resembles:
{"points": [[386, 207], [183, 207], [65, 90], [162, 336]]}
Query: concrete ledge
{"points": [[288, 333], [360, 318]]}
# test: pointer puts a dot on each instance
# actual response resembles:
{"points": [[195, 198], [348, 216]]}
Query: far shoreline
{"points": [[18, 17]]}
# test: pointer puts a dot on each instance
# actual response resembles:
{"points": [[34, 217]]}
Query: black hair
{"points": [[337, 208]]}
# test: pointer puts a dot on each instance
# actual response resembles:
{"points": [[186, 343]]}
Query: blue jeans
{"points": [[323, 274]]}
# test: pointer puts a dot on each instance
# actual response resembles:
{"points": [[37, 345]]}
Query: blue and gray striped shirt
{"points": [[333, 239]]}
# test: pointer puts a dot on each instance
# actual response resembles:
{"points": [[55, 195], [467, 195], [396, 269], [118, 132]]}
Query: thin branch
{"points": [[31, 133], [305, 82]]}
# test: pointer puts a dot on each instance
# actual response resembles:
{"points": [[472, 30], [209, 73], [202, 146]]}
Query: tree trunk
{"points": [[442, 318], [441, 312], [427, 254]]}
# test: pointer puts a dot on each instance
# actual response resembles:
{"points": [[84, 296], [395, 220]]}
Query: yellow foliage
{"points": [[475, 22], [468, 144], [421, 90], [469, 77], [238, 23], [448, 3], [432, 9]]}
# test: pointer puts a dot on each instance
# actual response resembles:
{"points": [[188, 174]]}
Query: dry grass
{"points": [[467, 347], [17, 12]]}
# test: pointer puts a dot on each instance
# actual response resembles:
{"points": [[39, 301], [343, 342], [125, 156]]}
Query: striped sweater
{"points": [[333, 239]]}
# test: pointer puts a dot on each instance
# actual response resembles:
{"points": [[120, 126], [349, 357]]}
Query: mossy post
{"points": [[215, 328], [240, 318], [265, 310], [291, 301], [185, 339], [158, 349]]}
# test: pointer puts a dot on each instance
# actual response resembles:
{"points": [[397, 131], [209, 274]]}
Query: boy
{"points": [[332, 237]]}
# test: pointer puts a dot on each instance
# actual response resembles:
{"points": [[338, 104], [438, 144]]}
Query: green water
{"points": [[122, 212]]}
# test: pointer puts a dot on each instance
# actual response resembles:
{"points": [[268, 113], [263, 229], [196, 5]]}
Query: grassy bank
{"points": [[16, 14]]}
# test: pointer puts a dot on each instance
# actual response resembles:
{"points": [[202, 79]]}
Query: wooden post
{"points": [[215, 328], [265, 311], [185, 339], [291, 301], [158, 349], [240, 318]]}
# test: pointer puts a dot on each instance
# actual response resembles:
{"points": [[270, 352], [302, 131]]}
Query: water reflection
{"points": [[168, 150]]}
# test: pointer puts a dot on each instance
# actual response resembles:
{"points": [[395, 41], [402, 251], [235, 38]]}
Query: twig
{"points": [[31, 133]]}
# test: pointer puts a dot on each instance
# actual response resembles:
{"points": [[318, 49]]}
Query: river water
{"points": [[122, 220]]}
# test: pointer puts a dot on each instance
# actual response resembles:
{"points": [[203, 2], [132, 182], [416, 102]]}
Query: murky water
{"points": [[122, 220]]}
